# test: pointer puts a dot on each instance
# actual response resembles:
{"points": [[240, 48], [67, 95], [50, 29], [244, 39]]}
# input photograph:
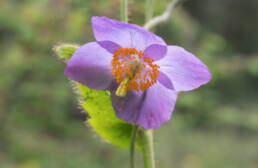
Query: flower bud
{"points": [[65, 50]]}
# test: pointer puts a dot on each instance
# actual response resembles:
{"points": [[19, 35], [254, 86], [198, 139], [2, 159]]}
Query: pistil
{"points": [[123, 87]]}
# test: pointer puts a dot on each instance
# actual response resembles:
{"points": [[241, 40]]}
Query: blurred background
{"points": [[41, 125]]}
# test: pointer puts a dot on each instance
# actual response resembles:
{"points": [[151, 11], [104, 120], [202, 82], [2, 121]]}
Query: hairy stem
{"points": [[124, 10], [164, 17], [148, 9], [132, 147], [147, 148]]}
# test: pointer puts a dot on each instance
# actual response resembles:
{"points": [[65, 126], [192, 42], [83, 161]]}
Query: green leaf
{"points": [[103, 119], [66, 50]]}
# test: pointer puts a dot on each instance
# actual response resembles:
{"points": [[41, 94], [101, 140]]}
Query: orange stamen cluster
{"points": [[128, 62]]}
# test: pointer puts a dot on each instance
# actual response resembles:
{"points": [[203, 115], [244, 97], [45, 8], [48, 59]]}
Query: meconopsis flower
{"points": [[141, 71]]}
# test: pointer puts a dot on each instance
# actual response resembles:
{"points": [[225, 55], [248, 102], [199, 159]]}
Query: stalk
{"points": [[124, 10], [147, 148], [132, 147]]}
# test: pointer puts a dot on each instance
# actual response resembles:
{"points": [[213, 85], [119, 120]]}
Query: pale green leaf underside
{"points": [[103, 119]]}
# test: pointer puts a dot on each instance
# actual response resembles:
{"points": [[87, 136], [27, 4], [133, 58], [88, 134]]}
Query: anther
{"points": [[133, 70]]}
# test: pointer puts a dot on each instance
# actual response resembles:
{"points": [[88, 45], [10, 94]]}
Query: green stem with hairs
{"points": [[146, 137], [124, 10], [132, 147], [148, 10]]}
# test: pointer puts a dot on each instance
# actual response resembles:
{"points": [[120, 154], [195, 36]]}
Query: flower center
{"points": [[134, 70]]}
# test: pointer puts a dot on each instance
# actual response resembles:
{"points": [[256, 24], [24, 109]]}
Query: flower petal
{"points": [[91, 66], [149, 109], [165, 80], [155, 51], [124, 34], [184, 69], [109, 46]]}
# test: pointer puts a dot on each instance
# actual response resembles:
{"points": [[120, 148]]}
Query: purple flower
{"points": [[141, 71]]}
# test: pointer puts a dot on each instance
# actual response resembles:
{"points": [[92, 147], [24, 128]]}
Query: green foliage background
{"points": [[41, 124]]}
